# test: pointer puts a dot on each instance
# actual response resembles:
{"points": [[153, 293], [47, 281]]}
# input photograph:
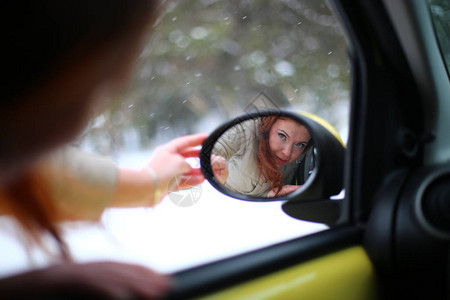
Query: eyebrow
{"points": [[306, 142], [284, 132]]}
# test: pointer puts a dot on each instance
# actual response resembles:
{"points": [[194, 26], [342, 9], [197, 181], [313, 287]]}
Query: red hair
{"points": [[29, 201], [60, 33], [264, 158]]}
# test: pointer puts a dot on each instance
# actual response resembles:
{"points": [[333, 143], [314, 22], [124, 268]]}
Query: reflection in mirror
{"points": [[269, 156]]}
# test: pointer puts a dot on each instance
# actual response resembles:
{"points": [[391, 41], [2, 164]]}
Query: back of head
{"points": [[39, 36], [51, 79], [48, 40]]}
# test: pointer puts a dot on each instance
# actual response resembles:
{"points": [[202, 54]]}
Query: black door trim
{"points": [[219, 275]]}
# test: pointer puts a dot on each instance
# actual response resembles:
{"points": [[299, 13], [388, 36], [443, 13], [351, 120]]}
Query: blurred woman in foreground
{"points": [[62, 61]]}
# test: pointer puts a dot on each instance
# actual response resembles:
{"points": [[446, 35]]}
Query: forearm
{"points": [[135, 189], [80, 185]]}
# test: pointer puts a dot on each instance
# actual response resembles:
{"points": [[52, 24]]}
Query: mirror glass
{"points": [[264, 157]]}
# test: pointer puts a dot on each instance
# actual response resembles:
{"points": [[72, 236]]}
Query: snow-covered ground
{"points": [[168, 237], [171, 238]]}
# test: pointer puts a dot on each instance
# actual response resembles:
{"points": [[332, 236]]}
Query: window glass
{"points": [[205, 63], [440, 13]]}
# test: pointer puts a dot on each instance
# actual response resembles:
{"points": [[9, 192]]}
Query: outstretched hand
{"points": [[170, 165]]}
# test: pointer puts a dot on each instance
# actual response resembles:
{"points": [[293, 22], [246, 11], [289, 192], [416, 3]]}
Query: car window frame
{"points": [[439, 38], [365, 39], [211, 277]]}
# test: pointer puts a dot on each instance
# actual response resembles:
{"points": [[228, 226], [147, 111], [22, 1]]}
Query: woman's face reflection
{"points": [[287, 140], [262, 157]]}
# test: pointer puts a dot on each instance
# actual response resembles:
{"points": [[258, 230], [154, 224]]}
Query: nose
{"points": [[286, 151]]}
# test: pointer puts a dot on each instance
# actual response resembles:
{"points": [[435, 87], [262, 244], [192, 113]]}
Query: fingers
{"points": [[187, 146], [181, 143], [191, 181], [287, 189], [191, 152], [217, 160], [171, 165], [186, 182], [293, 188], [219, 165], [194, 172]]}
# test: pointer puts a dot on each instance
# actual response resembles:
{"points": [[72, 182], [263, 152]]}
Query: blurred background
{"points": [[208, 60]]}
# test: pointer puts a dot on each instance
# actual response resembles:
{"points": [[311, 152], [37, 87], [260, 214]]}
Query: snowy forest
{"points": [[207, 60]]}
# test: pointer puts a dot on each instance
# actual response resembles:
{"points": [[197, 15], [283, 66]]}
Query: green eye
{"points": [[301, 145], [282, 136]]}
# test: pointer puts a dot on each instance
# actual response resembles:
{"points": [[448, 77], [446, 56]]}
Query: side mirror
{"points": [[278, 155]]}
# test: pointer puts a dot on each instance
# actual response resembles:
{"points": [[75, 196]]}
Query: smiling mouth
{"points": [[279, 161]]}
